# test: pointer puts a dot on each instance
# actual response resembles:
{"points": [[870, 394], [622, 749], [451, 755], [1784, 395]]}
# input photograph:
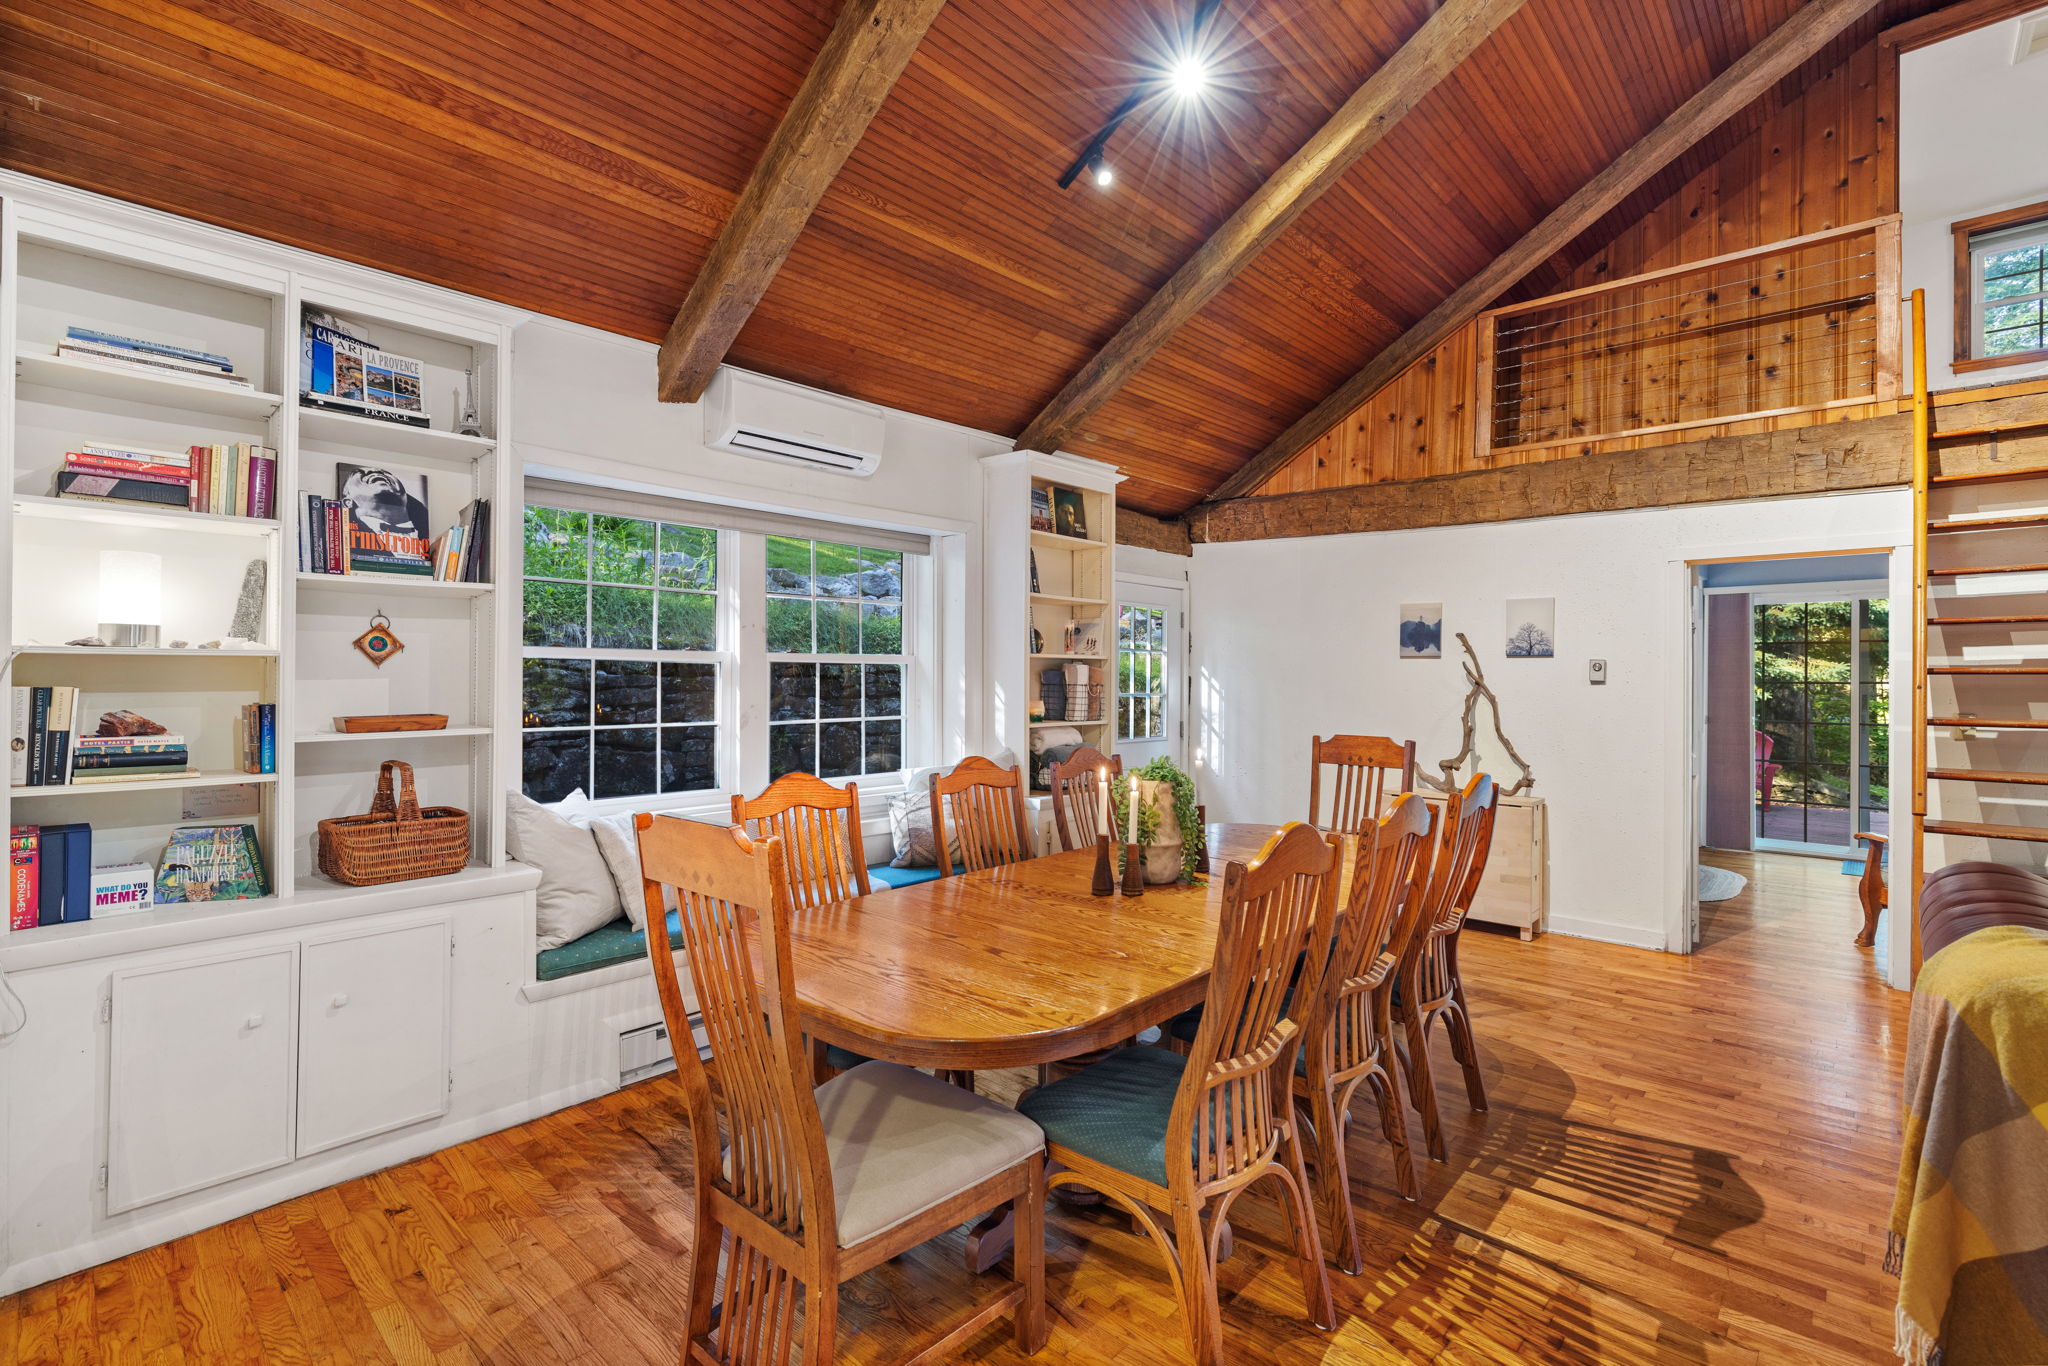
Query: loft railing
{"points": [[1796, 326]]}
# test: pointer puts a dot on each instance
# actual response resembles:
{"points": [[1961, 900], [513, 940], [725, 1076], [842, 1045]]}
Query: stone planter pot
{"points": [[1162, 856]]}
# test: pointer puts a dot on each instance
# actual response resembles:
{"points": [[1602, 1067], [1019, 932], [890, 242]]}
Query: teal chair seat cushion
{"points": [[1114, 1111], [881, 875], [617, 942], [843, 1059]]}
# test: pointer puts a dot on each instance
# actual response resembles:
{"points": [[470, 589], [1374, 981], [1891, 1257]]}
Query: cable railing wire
{"points": [[1830, 263], [1783, 304]]}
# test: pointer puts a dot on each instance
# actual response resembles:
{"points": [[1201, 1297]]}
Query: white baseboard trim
{"points": [[288, 1182], [1629, 936]]}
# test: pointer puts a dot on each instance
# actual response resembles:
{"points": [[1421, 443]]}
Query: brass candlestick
{"points": [[1105, 879], [1134, 870]]}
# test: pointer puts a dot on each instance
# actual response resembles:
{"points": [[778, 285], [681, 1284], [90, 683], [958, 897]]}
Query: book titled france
{"points": [[346, 374]]}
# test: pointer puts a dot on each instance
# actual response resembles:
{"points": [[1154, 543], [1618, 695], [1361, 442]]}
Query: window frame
{"points": [[1969, 308], [743, 680]]}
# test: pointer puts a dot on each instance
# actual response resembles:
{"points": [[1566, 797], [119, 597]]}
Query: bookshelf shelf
{"points": [[106, 382], [318, 426], [156, 652], [124, 514], [1056, 541], [153, 785], [1085, 659], [381, 584], [336, 737], [1088, 721]]}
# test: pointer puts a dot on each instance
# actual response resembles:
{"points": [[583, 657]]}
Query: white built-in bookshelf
{"points": [[59, 270], [1076, 582]]}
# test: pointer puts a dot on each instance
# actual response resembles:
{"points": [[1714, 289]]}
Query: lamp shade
{"points": [[131, 587]]}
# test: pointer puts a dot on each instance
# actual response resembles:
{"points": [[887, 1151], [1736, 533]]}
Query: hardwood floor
{"points": [[1688, 1160]]}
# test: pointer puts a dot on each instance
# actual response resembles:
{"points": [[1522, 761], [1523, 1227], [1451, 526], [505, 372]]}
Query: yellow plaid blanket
{"points": [[1969, 1225]]}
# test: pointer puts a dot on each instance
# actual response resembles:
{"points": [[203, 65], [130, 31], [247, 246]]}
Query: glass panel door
{"points": [[1822, 698]]}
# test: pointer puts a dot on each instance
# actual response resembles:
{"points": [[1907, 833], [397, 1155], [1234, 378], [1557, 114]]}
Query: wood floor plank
{"points": [[1687, 1162]]}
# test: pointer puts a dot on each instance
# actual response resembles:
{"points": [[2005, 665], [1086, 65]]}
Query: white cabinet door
{"points": [[200, 1074], [373, 1027]]}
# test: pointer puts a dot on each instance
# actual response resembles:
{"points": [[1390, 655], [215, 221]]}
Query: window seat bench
{"points": [[619, 942]]}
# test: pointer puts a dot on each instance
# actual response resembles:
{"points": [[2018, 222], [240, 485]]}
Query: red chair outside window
{"points": [[1765, 770]]}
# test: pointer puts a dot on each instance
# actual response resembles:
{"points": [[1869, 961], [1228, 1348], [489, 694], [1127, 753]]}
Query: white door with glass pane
{"points": [[1151, 656]]}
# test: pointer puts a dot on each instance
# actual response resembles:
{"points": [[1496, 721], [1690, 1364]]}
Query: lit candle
{"points": [[1132, 793], [1102, 805]]}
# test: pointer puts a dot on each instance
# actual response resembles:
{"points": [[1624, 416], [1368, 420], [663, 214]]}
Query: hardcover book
{"points": [[211, 863], [387, 519]]}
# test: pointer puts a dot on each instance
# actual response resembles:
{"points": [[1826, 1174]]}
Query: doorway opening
{"points": [[1792, 739]]}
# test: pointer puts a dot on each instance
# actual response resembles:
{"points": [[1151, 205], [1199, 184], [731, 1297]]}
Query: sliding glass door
{"points": [[1823, 697]]}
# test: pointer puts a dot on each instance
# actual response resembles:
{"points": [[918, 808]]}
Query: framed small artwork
{"points": [[1532, 628], [1422, 630], [1070, 515], [1041, 509]]}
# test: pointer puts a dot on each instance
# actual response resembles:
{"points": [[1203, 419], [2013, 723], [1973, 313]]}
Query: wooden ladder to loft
{"points": [[1927, 527]]}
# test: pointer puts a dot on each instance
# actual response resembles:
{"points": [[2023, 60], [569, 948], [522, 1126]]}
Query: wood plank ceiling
{"points": [[579, 161]]}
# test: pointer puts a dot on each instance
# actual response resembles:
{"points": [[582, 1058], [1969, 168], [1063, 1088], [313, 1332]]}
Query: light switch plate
{"points": [[1596, 671]]}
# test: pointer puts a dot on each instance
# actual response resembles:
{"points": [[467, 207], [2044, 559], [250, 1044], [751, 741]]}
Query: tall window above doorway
{"points": [[2002, 288]]}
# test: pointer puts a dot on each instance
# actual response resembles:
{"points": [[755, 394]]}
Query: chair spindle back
{"points": [[1365, 766], [1389, 886], [986, 804], [819, 826], [1074, 795], [775, 1164], [1276, 908], [1462, 847]]}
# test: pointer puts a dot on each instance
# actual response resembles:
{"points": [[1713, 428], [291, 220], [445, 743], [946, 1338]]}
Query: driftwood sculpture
{"points": [[1477, 677]]}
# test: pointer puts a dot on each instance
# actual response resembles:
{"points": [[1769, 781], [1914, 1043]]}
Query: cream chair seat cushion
{"points": [[902, 1141]]}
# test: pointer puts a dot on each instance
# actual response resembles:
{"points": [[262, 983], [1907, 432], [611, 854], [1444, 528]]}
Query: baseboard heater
{"points": [[644, 1052]]}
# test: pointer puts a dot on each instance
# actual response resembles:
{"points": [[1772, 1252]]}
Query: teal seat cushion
{"points": [[1114, 1111], [881, 875], [843, 1059], [617, 942]]}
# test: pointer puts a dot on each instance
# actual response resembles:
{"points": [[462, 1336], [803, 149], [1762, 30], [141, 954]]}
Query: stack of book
{"points": [[346, 374], [163, 360], [334, 539], [259, 737], [237, 480], [129, 758], [42, 724]]}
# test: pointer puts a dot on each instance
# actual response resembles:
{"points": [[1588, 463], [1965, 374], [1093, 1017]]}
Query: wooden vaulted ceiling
{"points": [[580, 161]]}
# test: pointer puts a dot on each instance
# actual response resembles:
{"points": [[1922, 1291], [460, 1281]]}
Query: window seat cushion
{"points": [[881, 876], [617, 942]]}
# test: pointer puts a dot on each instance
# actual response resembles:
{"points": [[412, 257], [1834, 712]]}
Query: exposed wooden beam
{"points": [[869, 46], [1835, 457], [1134, 528], [1444, 40], [1756, 71]]}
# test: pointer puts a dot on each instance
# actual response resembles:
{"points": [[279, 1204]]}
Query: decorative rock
{"points": [[179, 645], [86, 640], [129, 723], [248, 622]]}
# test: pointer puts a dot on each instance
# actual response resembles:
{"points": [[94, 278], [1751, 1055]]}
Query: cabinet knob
{"points": [[255, 1021], [340, 1000]]}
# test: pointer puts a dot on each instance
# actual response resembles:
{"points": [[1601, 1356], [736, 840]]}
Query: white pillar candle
{"points": [[1102, 805]]}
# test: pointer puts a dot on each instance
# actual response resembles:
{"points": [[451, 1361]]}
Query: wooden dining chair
{"points": [[812, 1187], [1431, 988], [1347, 1027], [1184, 1136], [1871, 893], [987, 807], [819, 826], [1074, 795], [1365, 767]]}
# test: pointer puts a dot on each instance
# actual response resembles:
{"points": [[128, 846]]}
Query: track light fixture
{"points": [[1186, 75]]}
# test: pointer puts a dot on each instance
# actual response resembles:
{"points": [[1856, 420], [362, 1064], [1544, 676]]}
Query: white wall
{"points": [[1297, 638], [1970, 124]]}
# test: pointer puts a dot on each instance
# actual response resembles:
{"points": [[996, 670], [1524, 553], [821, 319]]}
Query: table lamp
{"points": [[131, 609]]}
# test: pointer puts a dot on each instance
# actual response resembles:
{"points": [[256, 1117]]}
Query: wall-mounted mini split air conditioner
{"points": [[769, 420]]}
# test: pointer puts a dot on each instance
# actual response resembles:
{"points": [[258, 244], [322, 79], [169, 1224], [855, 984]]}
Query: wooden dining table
{"points": [[1009, 967]]}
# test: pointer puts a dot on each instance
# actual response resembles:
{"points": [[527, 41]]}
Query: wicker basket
{"points": [[397, 841]]}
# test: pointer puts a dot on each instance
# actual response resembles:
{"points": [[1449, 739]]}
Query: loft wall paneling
{"points": [[1817, 154]]}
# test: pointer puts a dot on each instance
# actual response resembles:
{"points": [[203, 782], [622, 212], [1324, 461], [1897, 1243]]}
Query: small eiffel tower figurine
{"points": [[469, 424]]}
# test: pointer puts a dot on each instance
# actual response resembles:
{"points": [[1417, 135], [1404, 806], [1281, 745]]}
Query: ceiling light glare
{"points": [[1103, 175], [1188, 77]]}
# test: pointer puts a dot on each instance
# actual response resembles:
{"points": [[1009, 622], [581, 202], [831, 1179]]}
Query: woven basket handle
{"points": [[407, 806]]}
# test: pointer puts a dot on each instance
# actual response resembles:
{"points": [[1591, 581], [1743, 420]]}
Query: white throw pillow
{"points": [[619, 842], [577, 894]]}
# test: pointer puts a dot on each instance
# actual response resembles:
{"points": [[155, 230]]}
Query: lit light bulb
{"points": [[1188, 76], [1103, 175]]}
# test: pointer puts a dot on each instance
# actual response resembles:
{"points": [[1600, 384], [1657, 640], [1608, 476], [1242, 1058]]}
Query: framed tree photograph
{"points": [[1422, 630], [1532, 628]]}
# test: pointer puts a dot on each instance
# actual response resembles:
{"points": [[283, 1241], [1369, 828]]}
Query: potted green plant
{"points": [[1169, 830]]}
